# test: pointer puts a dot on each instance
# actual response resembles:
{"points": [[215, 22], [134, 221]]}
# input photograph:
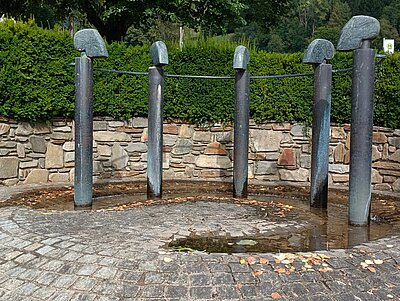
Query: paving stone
{"points": [[201, 292]]}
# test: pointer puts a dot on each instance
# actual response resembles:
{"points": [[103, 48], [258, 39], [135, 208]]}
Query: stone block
{"points": [[386, 165], [379, 137], [144, 138], [10, 182], [59, 177], [37, 176], [298, 130], [395, 156], [28, 164], [104, 150], [20, 150], [24, 129], [212, 173], [182, 147], [97, 167], [169, 140], [69, 157], [265, 141], [8, 167], [305, 161], [69, 146], [298, 175], [383, 186], [54, 156], [186, 131], [102, 136], [376, 178], [62, 129], [119, 157], [41, 128], [213, 161], [265, 168], [4, 128], [99, 125], [171, 129], [287, 157], [8, 144], [115, 124], [224, 137], [189, 159], [339, 168], [339, 153], [340, 178], [38, 144], [202, 136], [396, 185], [394, 141], [138, 122], [215, 148], [137, 147], [376, 154]]}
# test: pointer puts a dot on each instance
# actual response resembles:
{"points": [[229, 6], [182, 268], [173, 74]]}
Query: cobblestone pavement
{"points": [[121, 255]]}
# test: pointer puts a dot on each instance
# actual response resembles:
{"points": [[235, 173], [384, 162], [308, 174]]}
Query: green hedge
{"points": [[37, 82]]}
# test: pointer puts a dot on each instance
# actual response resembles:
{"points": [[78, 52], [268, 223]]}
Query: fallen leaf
{"points": [[364, 265], [276, 295], [369, 262], [325, 270], [257, 273], [378, 261], [242, 261], [167, 259], [251, 260], [239, 285], [371, 269], [280, 270], [264, 261]]}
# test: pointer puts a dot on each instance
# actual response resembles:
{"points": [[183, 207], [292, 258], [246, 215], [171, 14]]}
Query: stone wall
{"points": [[37, 152]]}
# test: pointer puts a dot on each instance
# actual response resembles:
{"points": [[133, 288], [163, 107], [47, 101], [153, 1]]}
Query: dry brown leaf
{"points": [[276, 295], [324, 270], [264, 261], [239, 285], [280, 270], [257, 273], [251, 260], [371, 269]]}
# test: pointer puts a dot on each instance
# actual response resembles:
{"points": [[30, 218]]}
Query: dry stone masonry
{"points": [[44, 152]]}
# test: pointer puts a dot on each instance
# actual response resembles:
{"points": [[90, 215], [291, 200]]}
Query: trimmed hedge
{"points": [[37, 82]]}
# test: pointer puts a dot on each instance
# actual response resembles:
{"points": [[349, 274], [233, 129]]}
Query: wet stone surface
{"points": [[121, 254]]}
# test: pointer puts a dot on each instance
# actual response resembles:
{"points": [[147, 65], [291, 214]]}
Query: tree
{"points": [[339, 15], [112, 18]]}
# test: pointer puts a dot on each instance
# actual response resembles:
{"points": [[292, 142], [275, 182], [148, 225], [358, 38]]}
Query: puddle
{"points": [[321, 230], [283, 220]]}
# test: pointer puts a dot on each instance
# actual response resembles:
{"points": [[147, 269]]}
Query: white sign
{"points": [[388, 45]]}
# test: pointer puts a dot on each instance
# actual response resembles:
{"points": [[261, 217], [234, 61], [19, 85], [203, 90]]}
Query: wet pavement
{"points": [[122, 253]]}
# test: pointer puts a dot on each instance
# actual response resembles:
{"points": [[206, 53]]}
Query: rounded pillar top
{"points": [[357, 30], [91, 43], [241, 57], [319, 51], [159, 54]]}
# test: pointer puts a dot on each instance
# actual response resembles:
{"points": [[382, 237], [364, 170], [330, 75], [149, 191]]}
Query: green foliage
{"points": [[37, 81]]}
